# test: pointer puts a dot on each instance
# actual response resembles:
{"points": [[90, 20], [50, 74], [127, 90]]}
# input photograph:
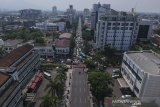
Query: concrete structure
{"points": [[62, 47], [86, 13], [51, 27], [141, 70], [45, 51], [10, 45], [30, 13], [116, 29], [16, 69], [71, 14], [98, 10], [155, 39], [145, 30], [54, 11]]}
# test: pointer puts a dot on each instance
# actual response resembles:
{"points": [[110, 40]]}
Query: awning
{"points": [[123, 83], [37, 79], [33, 85]]}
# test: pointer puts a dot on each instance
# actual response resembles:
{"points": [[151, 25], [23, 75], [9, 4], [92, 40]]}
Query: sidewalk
{"points": [[68, 85]]}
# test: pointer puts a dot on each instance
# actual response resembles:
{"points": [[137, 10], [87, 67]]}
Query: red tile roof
{"points": [[3, 78], [13, 56], [62, 43]]}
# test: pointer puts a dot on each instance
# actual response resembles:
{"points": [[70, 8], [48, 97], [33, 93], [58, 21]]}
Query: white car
{"points": [[126, 96], [116, 70], [115, 76]]}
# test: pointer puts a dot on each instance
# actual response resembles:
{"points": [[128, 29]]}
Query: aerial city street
{"points": [[79, 54]]}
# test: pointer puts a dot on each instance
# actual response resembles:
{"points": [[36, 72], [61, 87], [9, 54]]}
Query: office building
{"points": [[54, 11], [51, 27], [145, 30], [30, 13], [71, 14], [116, 29], [141, 70], [97, 11], [16, 69], [86, 13]]}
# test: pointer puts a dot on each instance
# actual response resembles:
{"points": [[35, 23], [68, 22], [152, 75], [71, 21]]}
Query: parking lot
{"points": [[41, 90], [116, 87]]}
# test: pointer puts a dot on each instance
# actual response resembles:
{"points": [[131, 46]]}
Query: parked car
{"points": [[126, 96], [116, 71], [115, 76]]}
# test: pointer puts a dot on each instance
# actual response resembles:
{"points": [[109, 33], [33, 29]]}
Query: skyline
{"points": [[122, 5]]}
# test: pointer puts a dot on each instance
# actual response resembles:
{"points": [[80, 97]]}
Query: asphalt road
{"points": [[79, 91]]}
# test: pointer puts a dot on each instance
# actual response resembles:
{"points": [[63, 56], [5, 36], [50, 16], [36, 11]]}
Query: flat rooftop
{"points": [[149, 61]]}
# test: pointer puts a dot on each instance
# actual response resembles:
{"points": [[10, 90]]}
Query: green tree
{"points": [[49, 101], [100, 82]]}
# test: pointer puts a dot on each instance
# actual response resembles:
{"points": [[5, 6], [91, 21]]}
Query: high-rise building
{"points": [[86, 13], [97, 11], [71, 14], [30, 13], [145, 30], [54, 11], [116, 29]]}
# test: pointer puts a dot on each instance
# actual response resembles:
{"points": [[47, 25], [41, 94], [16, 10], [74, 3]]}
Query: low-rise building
{"points": [[62, 47], [141, 70], [10, 45], [51, 27], [16, 69], [45, 51]]}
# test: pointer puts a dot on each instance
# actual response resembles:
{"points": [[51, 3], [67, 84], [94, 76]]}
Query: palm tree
{"points": [[52, 86], [49, 101]]}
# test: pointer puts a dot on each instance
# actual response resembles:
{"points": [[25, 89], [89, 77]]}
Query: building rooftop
{"points": [[8, 92], [14, 42], [14, 55], [149, 61], [62, 43], [3, 78], [65, 35]]}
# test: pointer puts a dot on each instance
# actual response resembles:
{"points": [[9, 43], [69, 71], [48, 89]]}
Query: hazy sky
{"points": [[125, 5]]}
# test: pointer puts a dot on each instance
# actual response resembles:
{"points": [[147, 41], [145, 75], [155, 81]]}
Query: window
{"points": [[126, 28], [109, 24], [114, 24], [131, 24], [122, 28], [136, 89], [113, 28], [130, 28], [122, 24], [118, 24], [109, 28], [127, 24]]}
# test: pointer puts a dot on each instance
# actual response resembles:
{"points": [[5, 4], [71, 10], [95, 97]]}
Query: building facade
{"points": [[117, 30], [141, 70], [15, 72], [51, 27]]}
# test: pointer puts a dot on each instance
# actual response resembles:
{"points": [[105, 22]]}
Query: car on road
{"points": [[126, 96]]}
